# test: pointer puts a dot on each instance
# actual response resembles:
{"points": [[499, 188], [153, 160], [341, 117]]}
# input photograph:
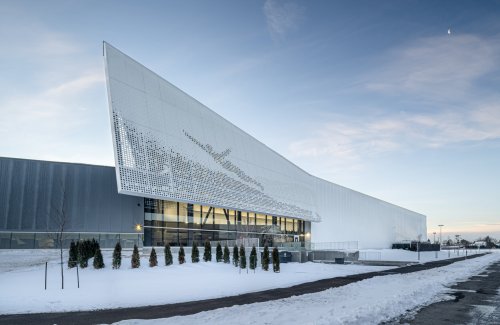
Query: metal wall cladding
{"points": [[352, 216], [34, 193], [170, 146]]}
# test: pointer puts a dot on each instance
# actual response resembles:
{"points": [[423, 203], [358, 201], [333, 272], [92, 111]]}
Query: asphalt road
{"points": [[477, 301], [193, 307]]}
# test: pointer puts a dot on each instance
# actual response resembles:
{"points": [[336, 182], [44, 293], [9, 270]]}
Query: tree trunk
{"points": [[61, 255]]}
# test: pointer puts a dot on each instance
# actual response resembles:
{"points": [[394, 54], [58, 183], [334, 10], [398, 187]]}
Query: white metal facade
{"points": [[169, 146]]}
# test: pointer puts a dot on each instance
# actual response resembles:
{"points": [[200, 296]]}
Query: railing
{"points": [[328, 246], [291, 246], [247, 242], [32, 240], [370, 256], [334, 246]]}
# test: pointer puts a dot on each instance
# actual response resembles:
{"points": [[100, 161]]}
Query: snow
{"points": [[370, 301], [22, 281]]}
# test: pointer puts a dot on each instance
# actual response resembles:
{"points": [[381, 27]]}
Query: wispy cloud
{"points": [[50, 111], [53, 91], [449, 76], [282, 17], [437, 68], [347, 139], [57, 123]]}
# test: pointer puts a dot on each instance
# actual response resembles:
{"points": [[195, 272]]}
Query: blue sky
{"points": [[372, 95]]}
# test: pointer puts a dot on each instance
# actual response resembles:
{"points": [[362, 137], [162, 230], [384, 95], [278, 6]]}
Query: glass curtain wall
{"points": [[179, 223]]}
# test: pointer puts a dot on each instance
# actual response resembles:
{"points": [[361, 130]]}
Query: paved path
{"points": [[477, 301], [193, 307]]}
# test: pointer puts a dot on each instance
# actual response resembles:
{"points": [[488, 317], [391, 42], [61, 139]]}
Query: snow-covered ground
{"points": [[370, 301], [22, 281]]}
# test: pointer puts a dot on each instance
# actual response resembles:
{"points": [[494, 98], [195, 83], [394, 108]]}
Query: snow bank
{"points": [[370, 301], [22, 281]]}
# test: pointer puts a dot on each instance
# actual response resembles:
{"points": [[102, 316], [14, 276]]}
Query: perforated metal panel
{"points": [[170, 146]]}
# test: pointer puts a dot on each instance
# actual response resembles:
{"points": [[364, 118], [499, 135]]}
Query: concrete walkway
{"points": [[193, 307], [477, 301]]}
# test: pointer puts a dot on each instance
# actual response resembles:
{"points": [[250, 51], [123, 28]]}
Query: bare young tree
{"points": [[58, 220]]}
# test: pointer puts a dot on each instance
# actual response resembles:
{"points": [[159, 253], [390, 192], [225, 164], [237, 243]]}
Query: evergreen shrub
{"points": [[243, 258], [117, 256], [98, 260], [168, 255], [276, 260], [253, 258], [226, 255], [73, 255], [153, 261], [136, 259], [195, 253], [236, 258], [265, 258], [182, 256], [218, 253]]}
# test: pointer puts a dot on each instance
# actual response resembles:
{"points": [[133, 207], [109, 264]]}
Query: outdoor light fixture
{"points": [[440, 233], [138, 227]]}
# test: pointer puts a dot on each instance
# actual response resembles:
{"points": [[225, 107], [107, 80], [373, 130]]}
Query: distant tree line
{"points": [[486, 242]]}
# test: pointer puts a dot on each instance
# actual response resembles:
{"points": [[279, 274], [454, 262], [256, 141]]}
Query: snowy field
{"points": [[370, 301], [22, 281]]}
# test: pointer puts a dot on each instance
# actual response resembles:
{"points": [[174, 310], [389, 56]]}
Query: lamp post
{"points": [[418, 245], [440, 233], [434, 233]]}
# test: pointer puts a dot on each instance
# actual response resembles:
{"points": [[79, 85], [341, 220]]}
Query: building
{"points": [[184, 173]]}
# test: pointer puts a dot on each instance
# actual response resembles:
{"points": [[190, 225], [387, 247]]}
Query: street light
{"points": [[440, 233], [434, 233]]}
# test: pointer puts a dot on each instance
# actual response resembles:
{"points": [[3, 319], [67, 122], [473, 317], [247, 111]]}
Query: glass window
{"points": [[90, 236], [67, 238], [261, 219], [183, 213], [190, 213], [206, 235], [207, 217], [251, 218], [244, 218], [170, 212], [197, 215], [289, 225], [151, 205], [220, 219], [46, 240], [4, 240], [194, 235], [156, 237], [170, 237], [129, 240]]}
